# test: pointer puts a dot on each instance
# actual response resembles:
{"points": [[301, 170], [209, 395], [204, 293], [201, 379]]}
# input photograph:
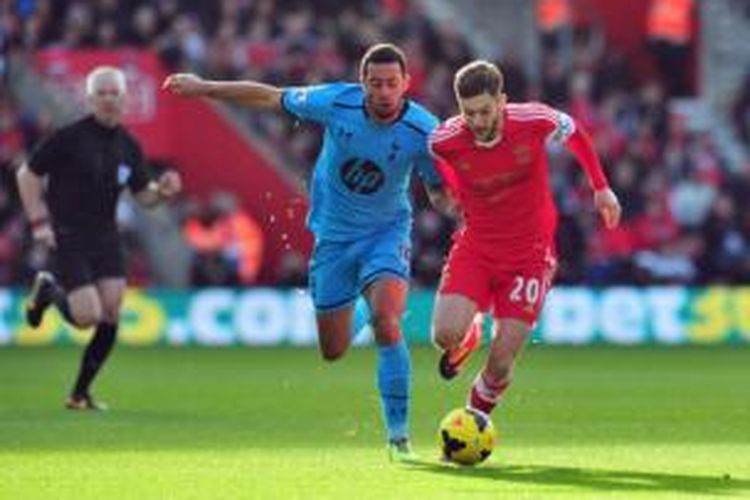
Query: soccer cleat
{"points": [[400, 450], [85, 403], [452, 361], [40, 297]]}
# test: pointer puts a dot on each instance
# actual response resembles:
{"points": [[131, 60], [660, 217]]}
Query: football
{"points": [[466, 436]]}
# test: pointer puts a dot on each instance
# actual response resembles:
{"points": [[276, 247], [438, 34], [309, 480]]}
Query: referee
{"points": [[70, 189]]}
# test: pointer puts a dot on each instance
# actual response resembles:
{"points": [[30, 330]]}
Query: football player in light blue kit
{"points": [[374, 138]]}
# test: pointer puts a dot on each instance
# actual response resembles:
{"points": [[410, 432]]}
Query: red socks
{"points": [[486, 392]]}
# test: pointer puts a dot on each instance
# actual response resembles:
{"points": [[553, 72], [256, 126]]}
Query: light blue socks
{"points": [[394, 373]]}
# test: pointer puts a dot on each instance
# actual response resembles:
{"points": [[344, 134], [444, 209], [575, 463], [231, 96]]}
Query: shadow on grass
{"points": [[593, 479]]}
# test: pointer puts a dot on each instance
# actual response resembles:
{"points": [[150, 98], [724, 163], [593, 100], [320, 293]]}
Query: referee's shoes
{"points": [[85, 403], [41, 296]]}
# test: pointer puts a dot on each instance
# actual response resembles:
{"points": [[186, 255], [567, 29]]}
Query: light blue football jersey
{"points": [[360, 184]]}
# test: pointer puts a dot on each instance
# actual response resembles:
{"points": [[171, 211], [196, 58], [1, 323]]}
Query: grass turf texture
{"points": [[279, 423]]}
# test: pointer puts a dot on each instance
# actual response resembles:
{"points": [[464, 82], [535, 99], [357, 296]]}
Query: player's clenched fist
{"points": [[185, 84], [170, 184], [608, 206]]}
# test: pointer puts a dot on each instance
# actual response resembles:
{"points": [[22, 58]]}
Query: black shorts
{"points": [[81, 259]]}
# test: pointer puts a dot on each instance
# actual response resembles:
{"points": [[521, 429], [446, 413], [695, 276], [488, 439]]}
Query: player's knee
{"points": [[386, 327], [382, 322], [86, 318]]}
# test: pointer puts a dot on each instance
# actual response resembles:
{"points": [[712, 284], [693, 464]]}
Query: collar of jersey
{"points": [[494, 142], [101, 127]]}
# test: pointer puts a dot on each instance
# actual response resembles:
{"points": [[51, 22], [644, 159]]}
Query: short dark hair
{"points": [[382, 53], [477, 78]]}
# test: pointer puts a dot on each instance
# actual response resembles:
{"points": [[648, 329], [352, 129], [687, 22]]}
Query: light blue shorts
{"points": [[340, 271]]}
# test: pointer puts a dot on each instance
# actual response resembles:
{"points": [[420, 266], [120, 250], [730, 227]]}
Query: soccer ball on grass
{"points": [[466, 436]]}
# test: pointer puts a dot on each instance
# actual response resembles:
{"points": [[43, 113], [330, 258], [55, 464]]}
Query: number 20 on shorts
{"points": [[526, 290]]}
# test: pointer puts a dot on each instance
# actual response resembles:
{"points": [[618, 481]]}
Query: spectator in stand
{"points": [[243, 238], [227, 244], [209, 267], [553, 19], [669, 27], [726, 258]]}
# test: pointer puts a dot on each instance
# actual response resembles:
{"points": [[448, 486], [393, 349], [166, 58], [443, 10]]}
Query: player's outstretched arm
{"points": [[247, 93], [579, 143]]}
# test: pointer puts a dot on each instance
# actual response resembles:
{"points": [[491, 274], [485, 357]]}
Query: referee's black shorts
{"points": [[82, 259]]}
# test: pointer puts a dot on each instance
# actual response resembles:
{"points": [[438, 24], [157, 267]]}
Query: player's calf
{"points": [[451, 322], [455, 357], [334, 333], [333, 344], [509, 339], [85, 306]]}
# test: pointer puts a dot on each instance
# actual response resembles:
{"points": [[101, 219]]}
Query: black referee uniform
{"points": [[87, 165]]}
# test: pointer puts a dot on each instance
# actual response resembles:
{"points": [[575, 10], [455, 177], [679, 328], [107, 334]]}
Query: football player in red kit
{"points": [[493, 158]]}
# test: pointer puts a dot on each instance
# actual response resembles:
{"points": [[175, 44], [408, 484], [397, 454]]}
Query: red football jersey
{"points": [[503, 187]]}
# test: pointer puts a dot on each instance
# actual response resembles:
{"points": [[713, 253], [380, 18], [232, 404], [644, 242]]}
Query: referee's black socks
{"points": [[94, 357]]}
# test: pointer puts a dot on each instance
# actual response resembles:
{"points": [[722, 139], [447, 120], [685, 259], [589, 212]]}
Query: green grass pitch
{"points": [[592, 422]]}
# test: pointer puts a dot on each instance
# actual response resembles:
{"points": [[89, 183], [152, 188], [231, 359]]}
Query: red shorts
{"points": [[508, 287]]}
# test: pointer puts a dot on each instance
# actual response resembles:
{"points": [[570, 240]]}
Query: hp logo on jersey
{"points": [[362, 176]]}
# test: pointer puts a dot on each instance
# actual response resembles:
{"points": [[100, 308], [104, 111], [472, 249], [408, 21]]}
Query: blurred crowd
{"points": [[685, 216]]}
